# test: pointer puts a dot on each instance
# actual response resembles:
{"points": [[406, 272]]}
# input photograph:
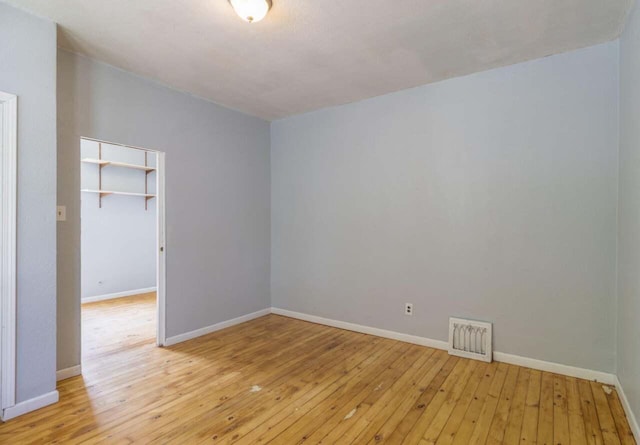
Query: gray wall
{"points": [[217, 193], [491, 196], [28, 70], [118, 239], [628, 351]]}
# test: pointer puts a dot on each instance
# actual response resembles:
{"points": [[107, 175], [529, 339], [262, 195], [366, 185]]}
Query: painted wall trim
{"points": [[68, 372], [114, 295], [557, 368], [8, 255], [215, 327], [423, 341], [161, 257], [541, 365], [30, 405], [633, 420]]}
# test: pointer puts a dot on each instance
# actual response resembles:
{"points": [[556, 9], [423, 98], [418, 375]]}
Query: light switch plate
{"points": [[61, 214]]}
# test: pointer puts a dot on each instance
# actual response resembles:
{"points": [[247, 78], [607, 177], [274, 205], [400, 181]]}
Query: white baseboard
{"points": [[556, 368], [127, 293], [30, 405], [422, 341], [68, 372], [540, 365], [633, 420], [216, 327]]}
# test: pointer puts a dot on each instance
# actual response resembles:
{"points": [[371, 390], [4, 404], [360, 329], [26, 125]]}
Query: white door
{"points": [[8, 197]]}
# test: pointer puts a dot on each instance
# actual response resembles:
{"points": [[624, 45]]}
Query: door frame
{"points": [[161, 266], [8, 232]]}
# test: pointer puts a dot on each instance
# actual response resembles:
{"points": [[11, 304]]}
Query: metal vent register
{"points": [[470, 339]]}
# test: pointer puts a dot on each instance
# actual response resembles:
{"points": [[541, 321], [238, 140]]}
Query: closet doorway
{"points": [[122, 250]]}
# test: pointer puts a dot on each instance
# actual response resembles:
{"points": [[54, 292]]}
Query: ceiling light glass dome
{"points": [[251, 10]]}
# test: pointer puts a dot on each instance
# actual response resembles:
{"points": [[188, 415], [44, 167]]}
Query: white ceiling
{"points": [[310, 54]]}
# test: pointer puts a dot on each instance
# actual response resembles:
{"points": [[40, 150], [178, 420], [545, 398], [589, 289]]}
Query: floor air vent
{"points": [[470, 339]]}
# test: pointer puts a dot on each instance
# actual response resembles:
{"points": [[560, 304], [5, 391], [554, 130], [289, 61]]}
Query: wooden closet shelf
{"points": [[103, 163], [110, 192]]}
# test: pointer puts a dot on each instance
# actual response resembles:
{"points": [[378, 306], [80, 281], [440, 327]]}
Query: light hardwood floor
{"points": [[284, 381]]}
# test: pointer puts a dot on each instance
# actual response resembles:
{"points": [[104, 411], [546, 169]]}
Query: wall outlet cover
{"points": [[408, 309]]}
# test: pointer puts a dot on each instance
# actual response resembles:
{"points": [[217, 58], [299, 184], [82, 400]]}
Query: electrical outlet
{"points": [[408, 309], [61, 213]]}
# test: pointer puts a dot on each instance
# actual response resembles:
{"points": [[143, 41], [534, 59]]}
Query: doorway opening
{"points": [[122, 250]]}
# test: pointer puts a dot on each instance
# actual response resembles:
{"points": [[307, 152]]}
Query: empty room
{"points": [[339, 222]]}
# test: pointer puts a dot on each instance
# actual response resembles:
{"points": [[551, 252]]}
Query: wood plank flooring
{"points": [[283, 381]]}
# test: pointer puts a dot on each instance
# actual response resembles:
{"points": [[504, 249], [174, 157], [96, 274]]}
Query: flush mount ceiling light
{"points": [[251, 10]]}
